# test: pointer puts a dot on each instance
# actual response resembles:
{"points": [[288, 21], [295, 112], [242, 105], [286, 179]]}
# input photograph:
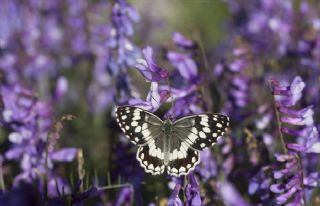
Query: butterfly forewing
{"points": [[200, 131], [138, 125]]}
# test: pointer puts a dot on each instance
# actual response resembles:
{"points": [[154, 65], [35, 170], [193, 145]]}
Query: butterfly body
{"points": [[171, 145], [167, 127]]}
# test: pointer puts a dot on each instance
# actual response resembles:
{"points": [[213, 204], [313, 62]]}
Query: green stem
{"points": [[301, 179], [281, 137]]}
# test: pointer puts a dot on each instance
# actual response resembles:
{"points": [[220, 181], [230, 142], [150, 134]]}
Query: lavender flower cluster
{"points": [[264, 74]]}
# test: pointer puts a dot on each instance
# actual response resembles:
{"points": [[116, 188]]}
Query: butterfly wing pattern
{"points": [[176, 150]]}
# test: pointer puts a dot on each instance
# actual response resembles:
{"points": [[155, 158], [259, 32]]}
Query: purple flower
{"points": [[230, 195], [185, 65], [290, 192], [182, 42], [287, 95], [61, 88], [192, 191], [125, 197], [260, 183], [208, 167], [149, 68], [155, 98], [30, 121], [174, 199]]}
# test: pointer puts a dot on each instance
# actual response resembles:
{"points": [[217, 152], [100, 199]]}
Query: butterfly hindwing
{"points": [[182, 158], [180, 165], [137, 124], [200, 131], [151, 161]]}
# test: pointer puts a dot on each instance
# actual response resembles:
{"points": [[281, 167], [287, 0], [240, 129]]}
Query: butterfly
{"points": [[170, 145]]}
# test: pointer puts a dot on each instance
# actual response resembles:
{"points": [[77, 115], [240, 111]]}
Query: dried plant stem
{"points": [[115, 186], [81, 171], [2, 185], [46, 175]]}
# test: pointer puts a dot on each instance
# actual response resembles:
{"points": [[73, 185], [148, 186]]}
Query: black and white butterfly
{"points": [[170, 145]]}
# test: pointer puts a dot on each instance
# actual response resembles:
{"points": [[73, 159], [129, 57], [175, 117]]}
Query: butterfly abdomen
{"points": [[167, 130]]}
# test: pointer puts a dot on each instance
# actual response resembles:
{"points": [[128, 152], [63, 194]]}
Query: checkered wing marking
{"points": [[182, 158], [201, 131], [151, 159], [140, 126]]}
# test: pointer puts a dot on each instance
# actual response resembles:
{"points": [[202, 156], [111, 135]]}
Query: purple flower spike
{"points": [[192, 191], [290, 191], [124, 197], [184, 63], [174, 199], [148, 67], [182, 42], [305, 131]]}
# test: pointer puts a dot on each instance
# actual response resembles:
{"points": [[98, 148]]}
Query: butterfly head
{"points": [[167, 126]]}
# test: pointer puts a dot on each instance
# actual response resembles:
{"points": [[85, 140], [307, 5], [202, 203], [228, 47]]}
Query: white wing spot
{"points": [[137, 129], [203, 123], [193, 160], [215, 119], [182, 169], [174, 170], [136, 139], [144, 126], [192, 137], [142, 156], [124, 117], [127, 127], [188, 166], [174, 154], [181, 155], [202, 134], [151, 167], [202, 145], [219, 125], [146, 133], [206, 129], [136, 117], [134, 123], [214, 134], [194, 130]]}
